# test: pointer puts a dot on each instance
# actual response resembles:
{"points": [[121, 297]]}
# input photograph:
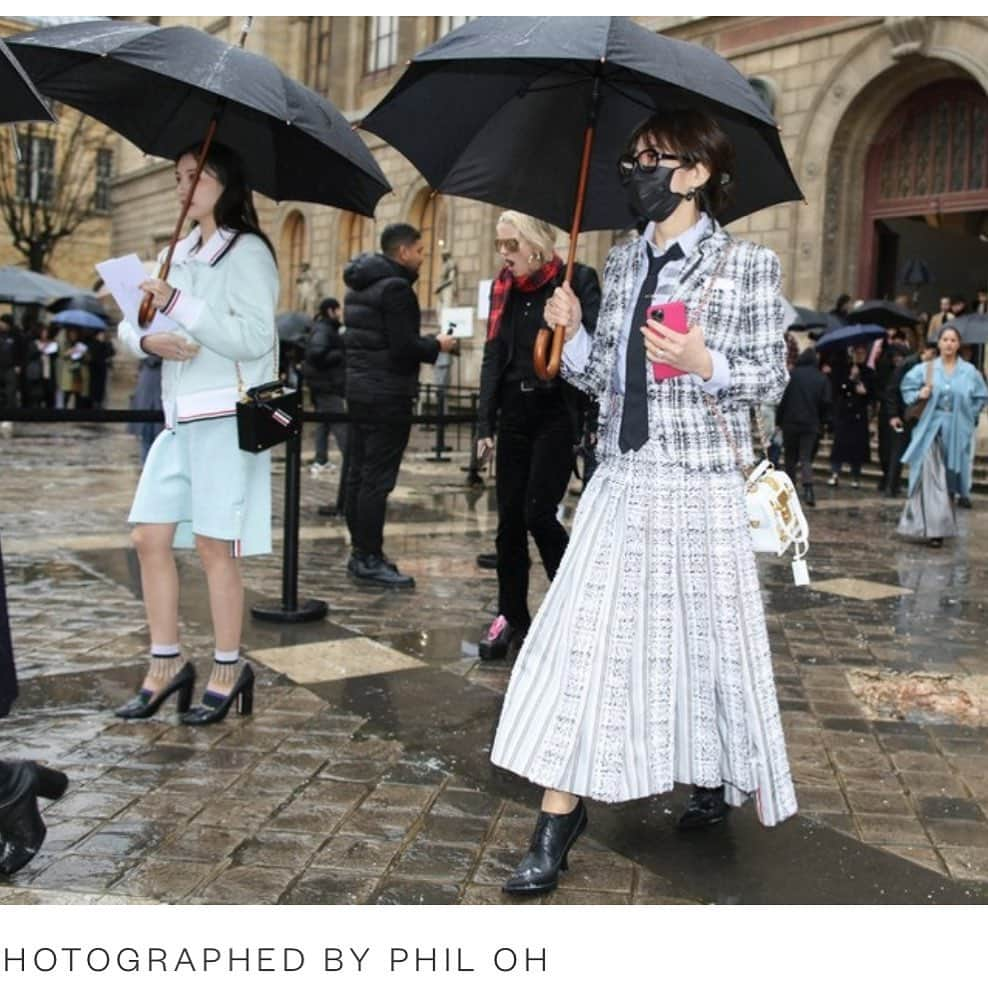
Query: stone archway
{"points": [[293, 253], [851, 105]]}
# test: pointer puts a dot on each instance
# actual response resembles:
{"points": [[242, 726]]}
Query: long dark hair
{"points": [[235, 207]]}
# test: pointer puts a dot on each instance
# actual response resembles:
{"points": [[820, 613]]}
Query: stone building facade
{"points": [[883, 119], [75, 256]]}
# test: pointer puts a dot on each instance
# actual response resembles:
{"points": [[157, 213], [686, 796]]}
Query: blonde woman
{"points": [[534, 419]]}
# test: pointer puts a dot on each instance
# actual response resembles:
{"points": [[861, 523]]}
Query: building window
{"points": [[36, 169], [447, 24], [428, 214], [104, 172], [359, 237], [381, 46], [293, 249], [317, 46]]}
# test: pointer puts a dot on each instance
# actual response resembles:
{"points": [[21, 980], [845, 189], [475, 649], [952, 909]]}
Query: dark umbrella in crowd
{"points": [[21, 101], [532, 113], [87, 302], [79, 319], [879, 311], [850, 335], [163, 88], [810, 318], [293, 327], [972, 327]]}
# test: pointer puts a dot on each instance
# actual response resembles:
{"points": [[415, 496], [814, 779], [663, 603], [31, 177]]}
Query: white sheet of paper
{"points": [[122, 276]]}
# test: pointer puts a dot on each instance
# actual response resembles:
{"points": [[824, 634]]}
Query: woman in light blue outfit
{"points": [[939, 456], [198, 488]]}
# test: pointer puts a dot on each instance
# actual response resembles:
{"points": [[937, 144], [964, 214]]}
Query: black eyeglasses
{"points": [[646, 161]]}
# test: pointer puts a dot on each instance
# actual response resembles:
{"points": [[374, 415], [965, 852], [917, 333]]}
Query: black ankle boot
{"points": [[809, 497], [555, 834], [22, 831], [706, 807]]}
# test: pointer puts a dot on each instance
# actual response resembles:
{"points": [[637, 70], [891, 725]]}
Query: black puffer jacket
{"points": [[382, 341], [323, 366]]}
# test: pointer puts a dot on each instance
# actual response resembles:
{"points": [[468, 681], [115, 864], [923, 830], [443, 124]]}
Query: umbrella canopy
{"points": [[25, 287], [497, 110], [80, 319], [972, 327], [850, 335], [878, 311], [87, 302], [810, 318], [293, 327], [161, 87], [21, 101]]}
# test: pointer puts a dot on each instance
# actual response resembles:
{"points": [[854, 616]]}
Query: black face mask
{"points": [[650, 196]]}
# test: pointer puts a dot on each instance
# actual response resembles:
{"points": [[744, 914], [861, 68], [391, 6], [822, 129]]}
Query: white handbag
{"points": [[775, 516]]}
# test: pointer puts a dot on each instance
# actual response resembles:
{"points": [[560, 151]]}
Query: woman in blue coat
{"points": [[939, 455]]}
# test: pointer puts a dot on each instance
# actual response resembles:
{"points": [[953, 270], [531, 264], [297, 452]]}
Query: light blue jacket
{"points": [[227, 291], [966, 393]]}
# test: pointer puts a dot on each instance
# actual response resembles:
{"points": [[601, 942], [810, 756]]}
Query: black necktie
{"points": [[634, 417]]}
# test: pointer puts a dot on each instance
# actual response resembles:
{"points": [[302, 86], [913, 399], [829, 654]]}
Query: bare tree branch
{"points": [[41, 217]]}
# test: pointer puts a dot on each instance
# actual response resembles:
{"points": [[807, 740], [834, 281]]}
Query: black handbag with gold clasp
{"points": [[267, 415]]}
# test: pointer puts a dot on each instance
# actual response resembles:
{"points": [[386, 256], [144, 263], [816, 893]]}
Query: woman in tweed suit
{"points": [[648, 662]]}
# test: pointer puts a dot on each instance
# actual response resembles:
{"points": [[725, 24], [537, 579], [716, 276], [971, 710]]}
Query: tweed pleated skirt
{"points": [[648, 662]]}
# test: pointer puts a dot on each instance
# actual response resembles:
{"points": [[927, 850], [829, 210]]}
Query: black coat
{"points": [[852, 443], [892, 404], [324, 364], [806, 401], [382, 342], [499, 351]]}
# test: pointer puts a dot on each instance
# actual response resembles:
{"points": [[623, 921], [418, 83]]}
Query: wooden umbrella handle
{"points": [[548, 341]]}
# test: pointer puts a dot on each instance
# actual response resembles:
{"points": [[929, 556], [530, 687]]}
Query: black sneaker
{"points": [[380, 571], [705, 808], [963, 501]]}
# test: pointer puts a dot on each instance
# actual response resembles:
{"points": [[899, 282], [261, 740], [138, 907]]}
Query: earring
{"points": [[690, 196]]}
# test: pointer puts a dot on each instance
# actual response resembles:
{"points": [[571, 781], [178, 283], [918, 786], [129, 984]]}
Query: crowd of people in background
{"points": [[43, 365]]}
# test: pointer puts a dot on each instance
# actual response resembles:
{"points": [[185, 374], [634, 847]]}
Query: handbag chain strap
{"points": [[709, 399]]}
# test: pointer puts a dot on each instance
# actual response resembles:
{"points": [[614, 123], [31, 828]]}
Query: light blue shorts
{"points": [[200, 478]]}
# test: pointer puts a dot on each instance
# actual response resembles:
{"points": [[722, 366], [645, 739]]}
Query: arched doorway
{"points": [[428, 215], [292, 254], [356, 237], [925, 199]]}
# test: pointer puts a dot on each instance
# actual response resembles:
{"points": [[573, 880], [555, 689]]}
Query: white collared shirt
{"points": [[577, 350]]}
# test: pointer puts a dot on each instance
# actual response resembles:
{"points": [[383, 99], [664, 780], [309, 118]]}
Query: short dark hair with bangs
{"points": [[697, 138]]}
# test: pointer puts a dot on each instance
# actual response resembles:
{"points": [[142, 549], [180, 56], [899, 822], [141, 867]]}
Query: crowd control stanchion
{"points": [[289, 611], [440, 446]]}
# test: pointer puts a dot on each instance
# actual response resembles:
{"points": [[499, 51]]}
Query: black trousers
{"points": [[375, 445], [799, 447], [534, 462], [897, 446], [885, 434]]}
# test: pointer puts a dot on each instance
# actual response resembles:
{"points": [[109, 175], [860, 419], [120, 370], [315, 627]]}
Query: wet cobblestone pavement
{"points": [[362, 775]]}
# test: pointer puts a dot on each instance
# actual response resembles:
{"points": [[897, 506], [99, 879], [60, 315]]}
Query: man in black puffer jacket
{"points": [[804, 407], [383, 352]]}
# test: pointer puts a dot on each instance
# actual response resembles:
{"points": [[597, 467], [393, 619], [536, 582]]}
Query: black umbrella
{"points": [[20, 101], [80, 303], [879, 312], [161, 87], [293, 327], [972, 327], [810, 318], [532, 113]]}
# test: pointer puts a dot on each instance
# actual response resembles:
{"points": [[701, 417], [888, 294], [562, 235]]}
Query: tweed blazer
{"points": [[743, 319]]}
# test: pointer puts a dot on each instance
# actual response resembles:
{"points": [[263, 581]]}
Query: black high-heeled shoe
{"points": [[215, 706], [22, 831], [147, 702], [548, 853]]}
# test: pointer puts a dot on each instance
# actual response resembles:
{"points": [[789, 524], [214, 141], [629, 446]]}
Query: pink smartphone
{"points": [[672, 315]]}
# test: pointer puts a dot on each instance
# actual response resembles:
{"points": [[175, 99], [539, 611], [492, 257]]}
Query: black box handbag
{"points": [[267, 415]]}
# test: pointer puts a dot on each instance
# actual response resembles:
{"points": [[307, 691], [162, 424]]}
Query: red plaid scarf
{"points": [[506, 282]]}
